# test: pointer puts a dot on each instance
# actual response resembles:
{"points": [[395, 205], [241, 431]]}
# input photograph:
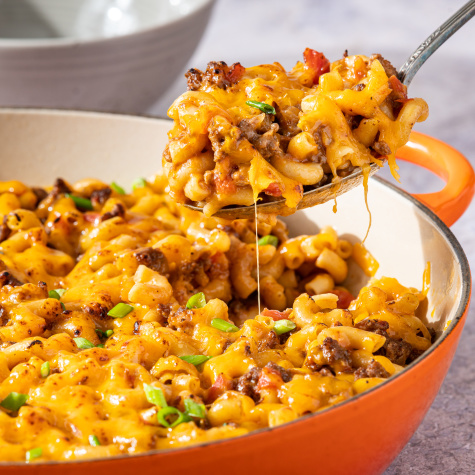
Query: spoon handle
{"points": [[434, 41]]}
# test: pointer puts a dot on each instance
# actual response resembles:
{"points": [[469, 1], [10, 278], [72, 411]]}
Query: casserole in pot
{"points": [[361, 435]]}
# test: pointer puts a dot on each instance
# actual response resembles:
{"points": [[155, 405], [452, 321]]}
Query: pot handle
{"points": [[450, 165]]}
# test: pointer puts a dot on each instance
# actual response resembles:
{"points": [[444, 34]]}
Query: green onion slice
{"points": [[194, 409], [14, 401], [63, 306], [56, 293], [117, 188], [105, 334], [262, 106], [34, 454], [82, 203], [196, 301], [53, 294], [166, 412], [120, 310], [139, 183], [195, 359], [155, 395], [223, 325], [83, 343], [100, 345], [45, 369], [94, 441], [268, 240], [284, 326]]}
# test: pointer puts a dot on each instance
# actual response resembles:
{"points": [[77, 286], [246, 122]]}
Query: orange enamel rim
{"points": [[417, 151], [450, 165]]}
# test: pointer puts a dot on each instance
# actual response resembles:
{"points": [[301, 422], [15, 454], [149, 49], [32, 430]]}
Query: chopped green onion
{"points": [[14, 401], [60, 292], [117, 188], [196, 301], [100, 345], [168, 411], [120, 310], [82, 203], [284, 326], [52, 294], [94, 441], [268, 240], [34, 454], [45, 369], [194, 409], [139, 183], [83, 344], [63, 306], [105, 334], [155, 395], [195, 359], [223, 325], [262, 106]]}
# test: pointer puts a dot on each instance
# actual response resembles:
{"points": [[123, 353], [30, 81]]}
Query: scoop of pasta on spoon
{"points": [[289, 140]]}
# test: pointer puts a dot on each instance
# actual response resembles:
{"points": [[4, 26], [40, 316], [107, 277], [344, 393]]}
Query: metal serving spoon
{"points": [[327, 192]]}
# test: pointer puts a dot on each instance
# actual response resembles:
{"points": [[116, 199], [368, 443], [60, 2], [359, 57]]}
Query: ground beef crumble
{"points": [[117, 210], [217, 73], [372, 370], [99, 197], [59, 187], [247, 383], [8, 279], [396, 350], [154, 259], [334, 352]]}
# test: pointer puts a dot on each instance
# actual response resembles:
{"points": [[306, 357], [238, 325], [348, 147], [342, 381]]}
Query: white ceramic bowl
{"points": [[114, 55]]}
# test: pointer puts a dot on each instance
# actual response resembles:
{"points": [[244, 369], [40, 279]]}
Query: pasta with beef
{"points": [[263, 133], [129, 323]]}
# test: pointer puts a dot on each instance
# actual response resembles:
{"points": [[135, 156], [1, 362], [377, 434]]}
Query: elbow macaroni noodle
{"points": [[88, 375]]}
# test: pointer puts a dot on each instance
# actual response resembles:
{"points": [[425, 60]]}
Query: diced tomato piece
{"points": [[344, 298], [273, 189], [216, 257], [91, 217], [359, 69], [222, 177], [276, 315], [398, 87], [235, 73], [269, 379], [224, 184], [221, 385], [316, 62]]}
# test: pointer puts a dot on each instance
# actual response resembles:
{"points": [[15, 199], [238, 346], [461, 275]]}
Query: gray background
{"points": [[261, 31]]}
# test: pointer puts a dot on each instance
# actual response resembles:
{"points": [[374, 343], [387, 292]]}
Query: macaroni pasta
{"points": [[129, 323]]}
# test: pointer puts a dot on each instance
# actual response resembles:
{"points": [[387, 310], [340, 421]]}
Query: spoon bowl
{"points": [[310, 198]]}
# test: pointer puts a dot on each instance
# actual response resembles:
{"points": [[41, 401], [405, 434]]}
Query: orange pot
{"points": [[360, 436]]}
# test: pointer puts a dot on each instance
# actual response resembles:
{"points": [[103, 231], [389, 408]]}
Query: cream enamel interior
{"points": [[38, 146]]}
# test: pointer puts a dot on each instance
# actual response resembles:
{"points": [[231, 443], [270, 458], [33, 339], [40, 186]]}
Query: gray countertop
{"points": [[261, 31]]}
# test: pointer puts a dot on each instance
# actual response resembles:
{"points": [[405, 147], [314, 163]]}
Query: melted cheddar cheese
{"points": [[108, 299]]}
